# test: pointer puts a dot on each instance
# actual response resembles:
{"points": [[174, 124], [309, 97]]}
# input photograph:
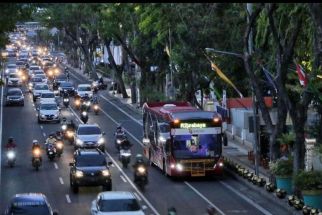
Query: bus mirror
{"points": [[224, 138]]}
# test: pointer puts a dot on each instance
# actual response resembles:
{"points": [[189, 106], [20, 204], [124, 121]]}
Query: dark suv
{"points": [[90, 168]]}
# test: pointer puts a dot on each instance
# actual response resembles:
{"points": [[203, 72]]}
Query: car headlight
{"points": [[179, 167], [106, 172], [79, 142], [79, 174], [43, 115], [30, 84], [64, 127], [101, 140], [56, 115], [70, 133]]}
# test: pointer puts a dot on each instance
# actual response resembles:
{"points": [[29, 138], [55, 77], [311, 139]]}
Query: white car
{"points": [[32, 68], [89, 136], [116, 202], [38, 89], [83, 89], [47, 96], [43, 77], [14, 80], [37, 72], [11, 68], [48, 112]]}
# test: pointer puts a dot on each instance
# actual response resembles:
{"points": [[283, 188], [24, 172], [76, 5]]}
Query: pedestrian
{"points": [[211, 210]]}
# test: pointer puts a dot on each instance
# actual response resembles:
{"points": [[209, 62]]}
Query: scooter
{"points": [[69, 135], [36, 158], [84, 117], [66, 102], [125, 156], [11, 157], [51, 151], [96, 109], [119, 137], [140, 176]]}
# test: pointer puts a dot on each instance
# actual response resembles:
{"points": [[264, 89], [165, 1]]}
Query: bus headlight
{"points": [[79, 174], [179, 167]]}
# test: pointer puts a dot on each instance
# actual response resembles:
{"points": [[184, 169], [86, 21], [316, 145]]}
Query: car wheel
{"points": [[34, 99], [39, 121], [102, 148], [75, 189], [107, 187]]}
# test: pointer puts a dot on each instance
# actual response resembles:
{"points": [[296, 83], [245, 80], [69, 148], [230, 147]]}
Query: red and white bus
{"points": [[183, 140]]}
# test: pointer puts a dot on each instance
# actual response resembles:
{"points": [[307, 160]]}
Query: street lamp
{"points": [[256, 143]]}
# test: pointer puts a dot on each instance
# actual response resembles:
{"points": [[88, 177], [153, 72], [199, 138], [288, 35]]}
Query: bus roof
{"points": [[178, 110]]}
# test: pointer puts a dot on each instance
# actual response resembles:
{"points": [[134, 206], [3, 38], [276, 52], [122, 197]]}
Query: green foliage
{"points": [[281, 167], [309, 180], [286, 138], [152, 95]]}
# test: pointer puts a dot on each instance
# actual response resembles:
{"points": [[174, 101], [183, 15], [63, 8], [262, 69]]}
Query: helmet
{"points": [[64, 119], [172, 211], [51, 135], [139, 158], [10, 139], [35, 142]]}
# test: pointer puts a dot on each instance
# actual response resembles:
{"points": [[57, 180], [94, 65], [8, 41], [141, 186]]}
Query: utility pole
{"points": [[255, 123]]}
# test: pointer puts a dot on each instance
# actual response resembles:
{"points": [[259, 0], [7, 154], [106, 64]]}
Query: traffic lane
{"points": [[172, 193], [20, 122], [119, 181]]}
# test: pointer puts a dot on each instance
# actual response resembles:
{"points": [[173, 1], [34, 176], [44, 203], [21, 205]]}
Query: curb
{"points": [[271, 197]]}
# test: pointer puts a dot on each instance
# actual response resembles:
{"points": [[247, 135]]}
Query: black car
{"points": [[66, 86], [90, 168], [29, 204], [15, 96]]}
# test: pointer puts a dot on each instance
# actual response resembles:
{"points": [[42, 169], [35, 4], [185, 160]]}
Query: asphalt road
{"points": [[189, 196]]}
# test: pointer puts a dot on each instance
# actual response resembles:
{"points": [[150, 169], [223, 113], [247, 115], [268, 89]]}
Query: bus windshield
{"points": [[196, 146]]}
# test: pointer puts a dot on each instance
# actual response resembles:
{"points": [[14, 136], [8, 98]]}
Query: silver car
{"points": [[15, 96], [89, 136], [48, 112]]}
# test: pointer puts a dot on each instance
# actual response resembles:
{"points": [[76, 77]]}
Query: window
{"points": [[84, 88], [90, 160], [89, 130], [48, 107], [115, 205], [14, 93], [29, 208]]}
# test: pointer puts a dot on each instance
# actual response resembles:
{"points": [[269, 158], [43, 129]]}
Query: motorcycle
{"points": [[59, 147], [119, 137], [85, 105], [140, 176], [36, 158], [96, 109], [66, 102], [125, 156], [69, 135], [51, 151], [11, 157], [99, 86], [77, 103], [84, 117]]}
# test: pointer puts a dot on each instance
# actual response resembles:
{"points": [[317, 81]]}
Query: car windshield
{"points": [[90, 160], [14, 93], [29, 208], [66, 84], [19, 63], [47, 95], [196, 146], [41, 87], [13, 76], [117, 205], [89, 131], [41, 76], [11, 66], [84, 88], [61, 77], [36, 80], [48, 107]]}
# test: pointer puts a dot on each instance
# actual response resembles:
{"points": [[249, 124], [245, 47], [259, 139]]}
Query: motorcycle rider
{"points": [[35, 145], [119, 130], [125, 144], [95, 99], [139, 162], [100, 80], [71, 125], [65, 94], [85, 99], [10, 144], [50, 140]]}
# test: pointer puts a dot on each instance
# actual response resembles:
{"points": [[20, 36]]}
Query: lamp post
{"points": [[256, 141]]}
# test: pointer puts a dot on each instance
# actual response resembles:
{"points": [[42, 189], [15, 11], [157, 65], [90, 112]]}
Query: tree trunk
{"points": [[118, 71]]}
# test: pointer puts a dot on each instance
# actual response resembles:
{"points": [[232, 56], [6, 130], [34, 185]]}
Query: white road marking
{"points": [[123, 178], [44, 134], [121, 110], [137, 196], [34, 109], [137, 190], [250, 201], [204, 198], [61, 180], [68, 198], [41, 127], [56, 166]]}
